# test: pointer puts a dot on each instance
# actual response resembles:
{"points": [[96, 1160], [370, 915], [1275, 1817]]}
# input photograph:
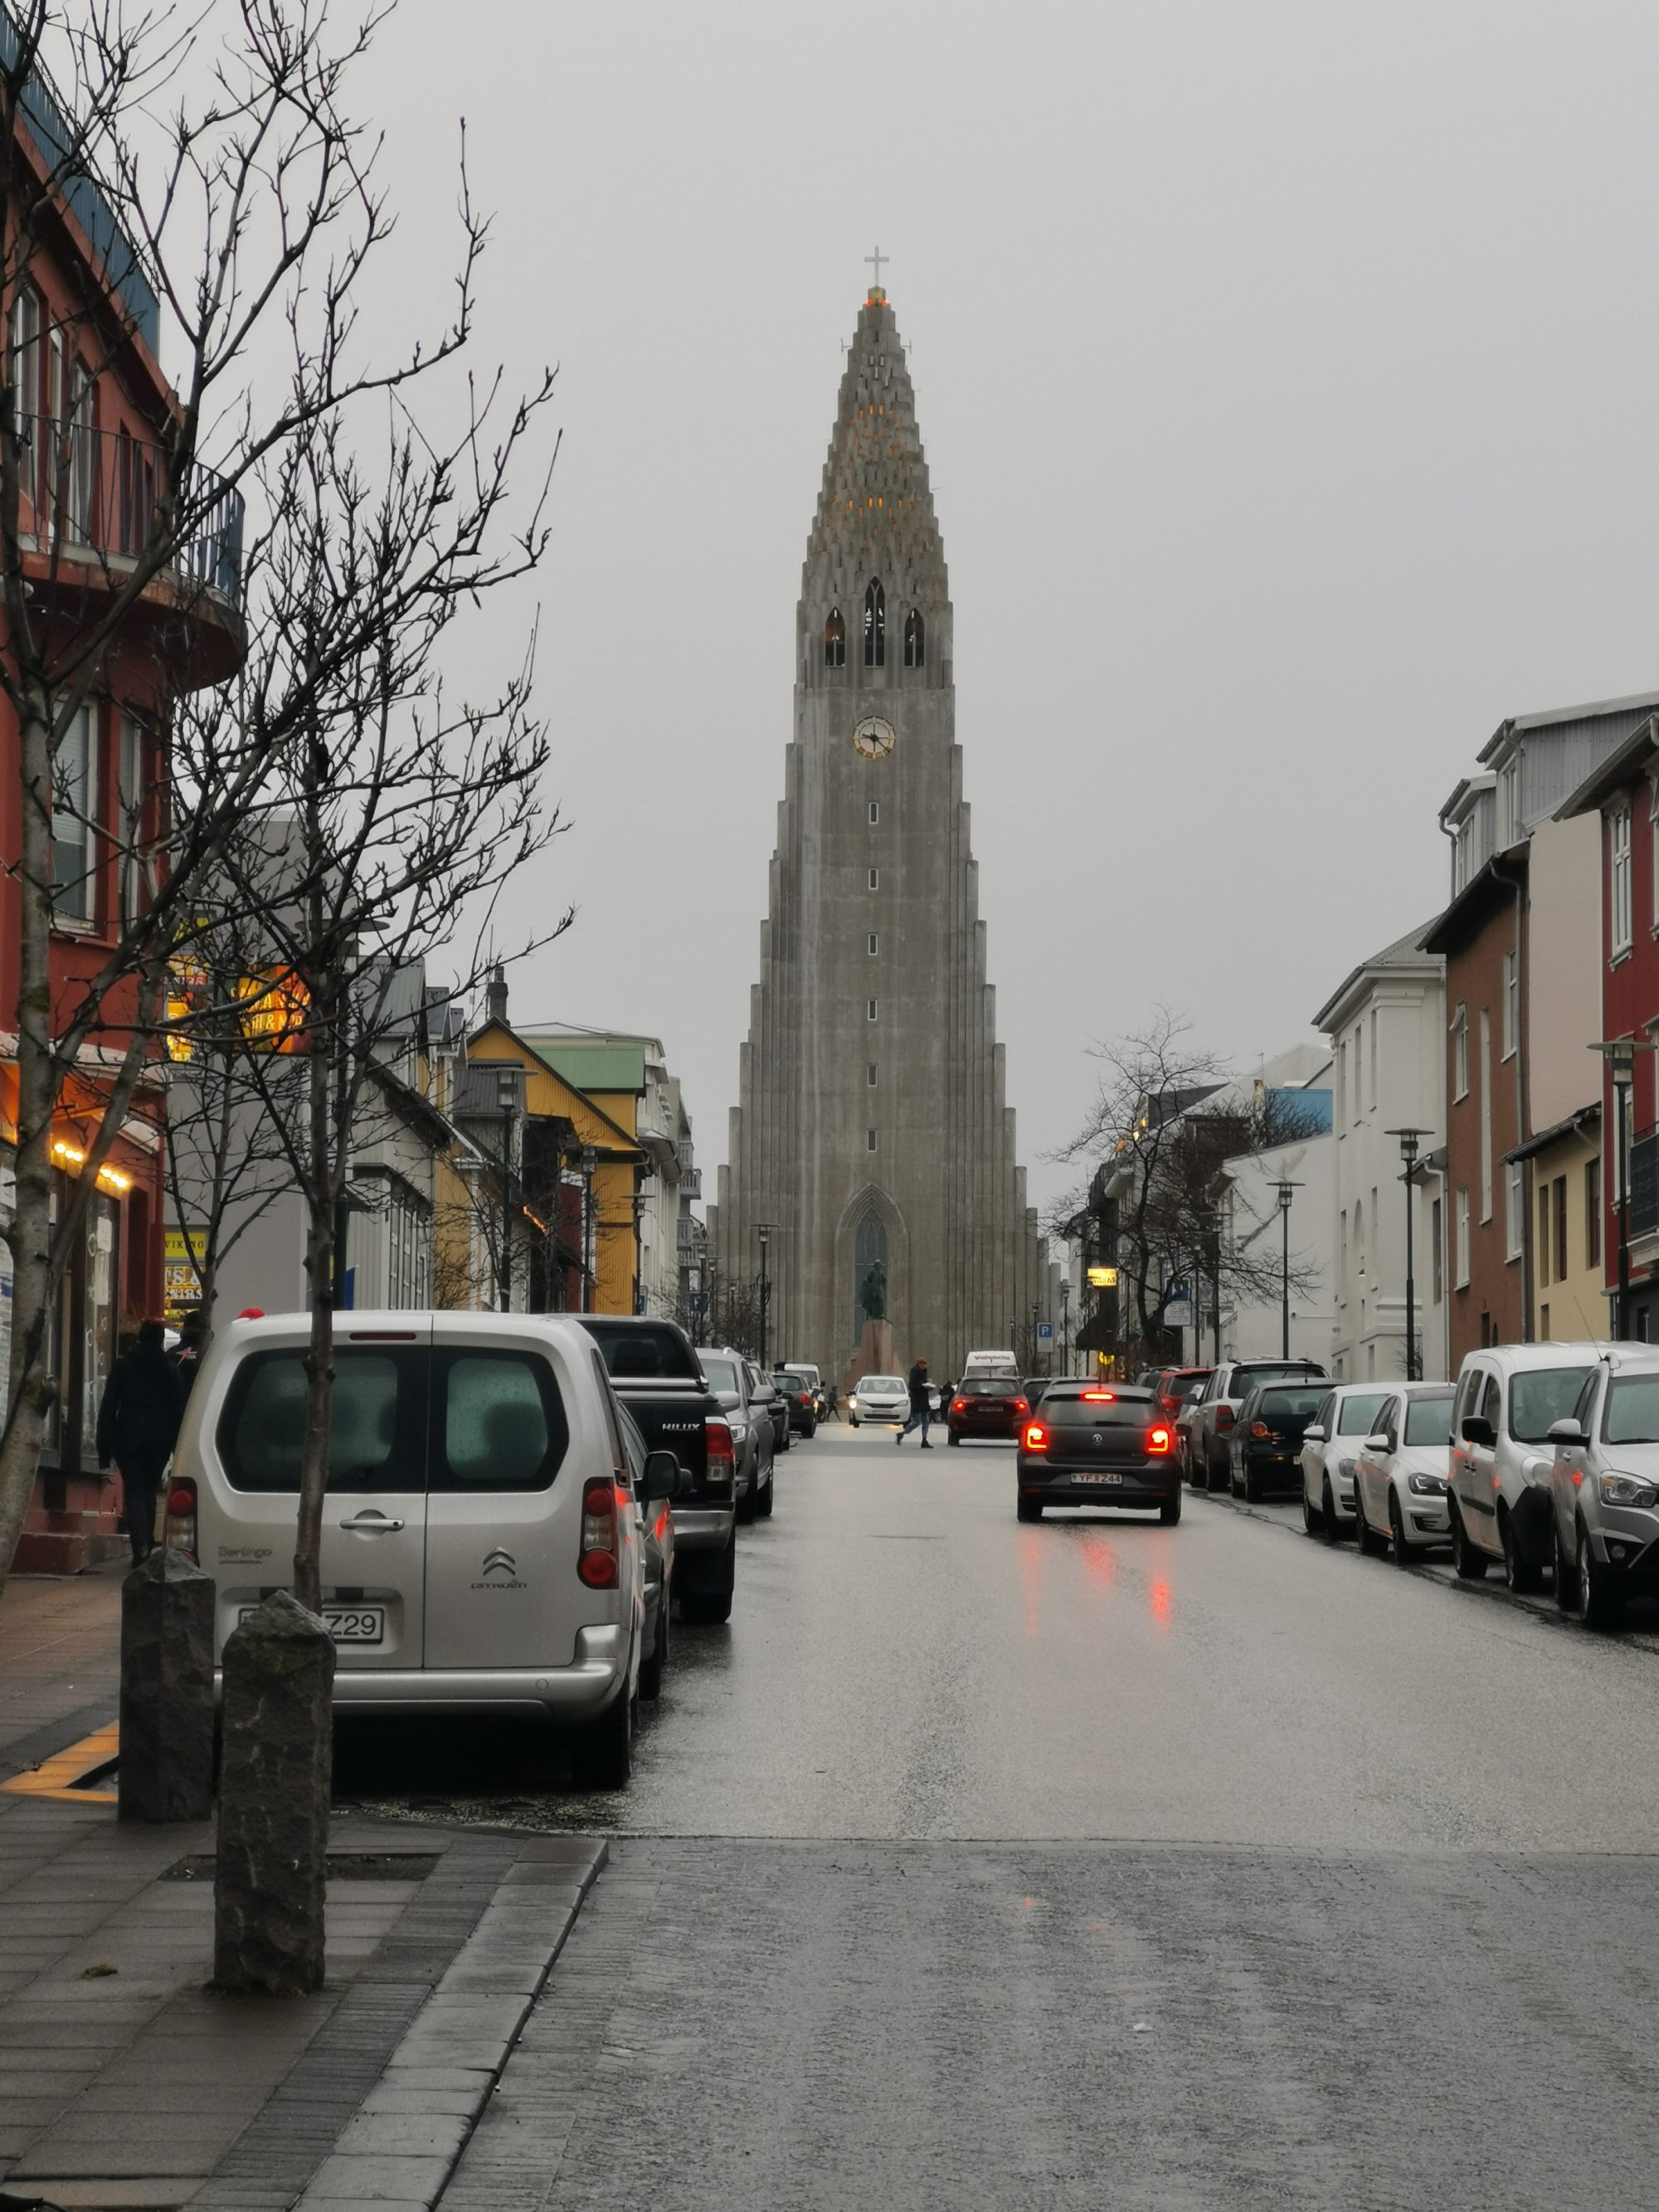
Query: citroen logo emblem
{"points": [[503, 1561]]}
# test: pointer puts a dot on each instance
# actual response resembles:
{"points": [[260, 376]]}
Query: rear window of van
{"points": [[404, 1419]]}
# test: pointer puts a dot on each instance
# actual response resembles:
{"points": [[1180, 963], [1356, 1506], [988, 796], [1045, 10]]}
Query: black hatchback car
{"points": [[1095, 1446], [1265, 1449], [985, 1406]]}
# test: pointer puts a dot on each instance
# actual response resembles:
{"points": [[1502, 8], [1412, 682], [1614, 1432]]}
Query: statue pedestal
{"points": [[875, 1354]]}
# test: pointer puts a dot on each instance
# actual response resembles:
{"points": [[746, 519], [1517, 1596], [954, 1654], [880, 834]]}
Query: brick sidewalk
{"points": [[125, 2083], [60, 1661]]}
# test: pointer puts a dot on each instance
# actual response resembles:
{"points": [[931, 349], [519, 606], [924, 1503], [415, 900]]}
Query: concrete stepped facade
{"points": [[872, 1125]]}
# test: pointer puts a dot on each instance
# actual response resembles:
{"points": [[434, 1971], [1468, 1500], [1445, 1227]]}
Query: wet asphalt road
{"points": [[1095, 1862]]}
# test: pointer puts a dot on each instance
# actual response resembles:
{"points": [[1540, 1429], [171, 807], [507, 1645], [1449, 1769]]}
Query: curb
{"points": [[404, 2141]]}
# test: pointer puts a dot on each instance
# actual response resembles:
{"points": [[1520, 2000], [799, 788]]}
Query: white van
{"points": [[989, 1363], [1508, 1398], [480, 1549]]}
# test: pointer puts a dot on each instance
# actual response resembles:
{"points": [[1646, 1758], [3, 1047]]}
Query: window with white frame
{"points": [[1358, 1066], [1461, 1052], [25, 336], [1461, 1258], [1509, 805], [74, 801], [1461, 846], [1513, 1219], [1511, 1004], [1618, 909]]}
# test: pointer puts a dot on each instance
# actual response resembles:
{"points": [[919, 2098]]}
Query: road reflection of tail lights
{"points": [[1099, 1560], [1030, 1582], [1158, 1594]]}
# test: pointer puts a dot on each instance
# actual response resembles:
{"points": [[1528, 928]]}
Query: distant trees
{"points": [[1166, 1114]]}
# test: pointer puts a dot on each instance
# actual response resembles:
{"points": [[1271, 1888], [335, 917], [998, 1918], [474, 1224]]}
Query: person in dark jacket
{"points": [[137, 1427], [920, 1409]]}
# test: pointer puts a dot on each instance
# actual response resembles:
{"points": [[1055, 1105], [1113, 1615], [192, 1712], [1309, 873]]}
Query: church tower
{"points": [[872, 1126]]}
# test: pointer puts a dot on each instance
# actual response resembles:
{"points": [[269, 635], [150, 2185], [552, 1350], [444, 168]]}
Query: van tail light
{"points": [[598, 1564], [959, 1405], [1259, 1428], [180, 1531], [1158, 1443], [1036, 1436], [722, 1456]]}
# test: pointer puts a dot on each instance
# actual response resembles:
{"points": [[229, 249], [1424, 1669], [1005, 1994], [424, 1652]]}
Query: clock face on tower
{"points": [[874, 738]]}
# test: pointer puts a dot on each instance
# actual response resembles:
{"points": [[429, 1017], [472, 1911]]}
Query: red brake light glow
{"points": [[180, 1531], [1100, 1397], [598, 1564], [959, 1405], [1036, 1436], [1259, 1428], [1157, 1442], [1020, 1405]]}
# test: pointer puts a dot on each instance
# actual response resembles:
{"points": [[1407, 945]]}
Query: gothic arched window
{"points": [[915, 639], [875, 625], [834, 641]]}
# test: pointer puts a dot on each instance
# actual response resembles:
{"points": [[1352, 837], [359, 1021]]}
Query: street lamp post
{"points": [[1286, 1193], [1066, 1326], [589, 1160], [1410, 1139], [763, 1231], [505, 1100]]}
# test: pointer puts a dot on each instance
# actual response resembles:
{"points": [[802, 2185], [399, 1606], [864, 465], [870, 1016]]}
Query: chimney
{"points": [[496, 997]]}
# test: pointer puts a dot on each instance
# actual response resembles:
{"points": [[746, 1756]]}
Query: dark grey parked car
{"points": [[751, 1429], [765, 1392]]}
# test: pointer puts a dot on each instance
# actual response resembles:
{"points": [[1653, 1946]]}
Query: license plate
{"points": [[346, 1624], [1094, 1475]]}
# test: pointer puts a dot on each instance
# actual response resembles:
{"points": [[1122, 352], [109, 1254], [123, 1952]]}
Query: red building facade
{"points": [[93, 412]]}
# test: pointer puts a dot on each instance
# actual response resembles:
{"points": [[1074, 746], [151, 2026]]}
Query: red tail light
{"points": [[959, 1405], [598, 1564], [1036, 1436], [1100, 1397], [180, 1530], [1259, 1428], [1158, 1443], [722, 1458], [1020, 1405]]}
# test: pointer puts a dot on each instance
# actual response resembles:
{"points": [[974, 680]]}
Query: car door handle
{"points": [[371, 1523]]}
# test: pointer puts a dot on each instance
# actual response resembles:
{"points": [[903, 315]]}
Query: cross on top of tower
{"points": [[874, 261]]}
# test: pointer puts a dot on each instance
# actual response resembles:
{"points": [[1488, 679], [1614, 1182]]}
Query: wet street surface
{"points": [[1090, 1862]]}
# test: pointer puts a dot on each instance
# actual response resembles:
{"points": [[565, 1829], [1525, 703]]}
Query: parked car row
{"points": [[515, 1502], [1542, 1460]]}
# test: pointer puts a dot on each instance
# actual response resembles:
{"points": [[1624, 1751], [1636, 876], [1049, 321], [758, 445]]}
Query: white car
{"points": [[1330, 1446], [1509, 1396], [879, 1398], [481, 1549], [1402, 1472]]}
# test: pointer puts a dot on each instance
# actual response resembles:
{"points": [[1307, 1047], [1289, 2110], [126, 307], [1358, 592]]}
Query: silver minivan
{"points": [[1604, 1485], [1509, 1396], [480, 1548]]}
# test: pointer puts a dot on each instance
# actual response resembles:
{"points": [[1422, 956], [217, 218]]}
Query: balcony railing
{"points": [[1644, 1183], [100, 490]]}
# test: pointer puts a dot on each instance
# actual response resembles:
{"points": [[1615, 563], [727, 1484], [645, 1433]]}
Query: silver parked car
{"points": [[750, 1423], [1604, 1487], [480, 1548], [765, 1392], [1330, 1446], [1402, 1472], [1509, 1396]]}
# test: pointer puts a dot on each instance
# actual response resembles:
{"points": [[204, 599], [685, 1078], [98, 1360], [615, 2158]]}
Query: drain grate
{"points": [[343, 1866]]}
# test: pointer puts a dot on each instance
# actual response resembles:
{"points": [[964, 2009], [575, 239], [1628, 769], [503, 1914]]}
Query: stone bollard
{"points": [[269, 1886], [166, 1771]]}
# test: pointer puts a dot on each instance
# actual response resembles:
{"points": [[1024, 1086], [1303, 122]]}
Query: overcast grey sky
{"points": [[1285, 373]]}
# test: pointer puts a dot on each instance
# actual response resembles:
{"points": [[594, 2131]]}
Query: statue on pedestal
{"points": [[873, 1292]]}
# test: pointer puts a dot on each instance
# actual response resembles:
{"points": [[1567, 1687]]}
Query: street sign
{"points": [[1045, 1329], [1178, 1314]]}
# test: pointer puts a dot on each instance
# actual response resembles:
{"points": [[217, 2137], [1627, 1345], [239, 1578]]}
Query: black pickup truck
{"points": [[654, 1372]]}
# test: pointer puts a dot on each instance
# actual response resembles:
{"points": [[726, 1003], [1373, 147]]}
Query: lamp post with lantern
{"points": [[1410, 1139], [1287, 1195], [763, 1231], [505, 1099]]}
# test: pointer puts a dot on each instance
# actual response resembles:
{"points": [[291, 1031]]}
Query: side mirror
{"points": [[1380, 1442], [1224, 1418], [661, 1479], [1477, 1430], [1312, 1434], [1566, 1435]]}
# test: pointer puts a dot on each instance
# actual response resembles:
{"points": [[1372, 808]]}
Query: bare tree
{"points": [[1166, 1115], [402, 808], [240, 211]]}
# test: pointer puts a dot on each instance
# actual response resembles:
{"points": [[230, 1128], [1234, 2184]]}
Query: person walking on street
{"points": [[137, 1427], [920, 1409]]}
